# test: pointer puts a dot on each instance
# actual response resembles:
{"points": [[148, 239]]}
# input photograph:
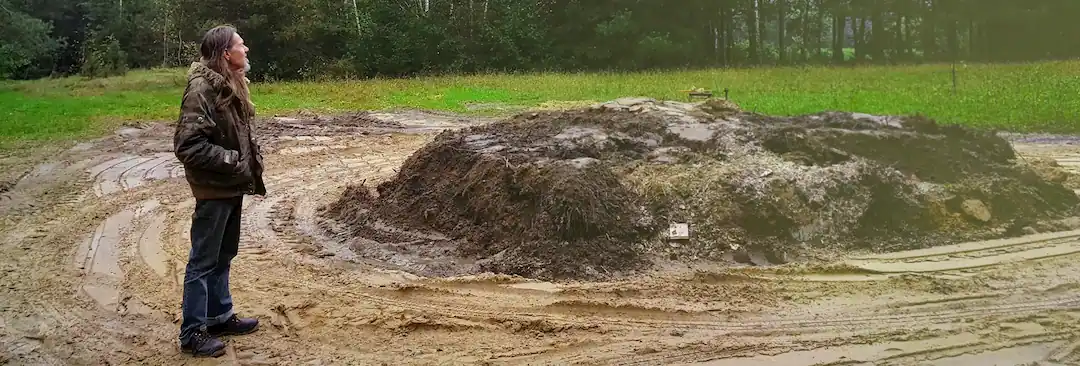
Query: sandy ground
{"points": [[95, 240]]}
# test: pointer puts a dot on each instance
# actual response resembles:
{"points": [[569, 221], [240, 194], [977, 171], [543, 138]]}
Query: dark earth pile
{"points": [[592, 192]]}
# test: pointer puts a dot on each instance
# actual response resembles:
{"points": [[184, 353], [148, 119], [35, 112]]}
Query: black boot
{"points": [[202, 344], [234, 326]]}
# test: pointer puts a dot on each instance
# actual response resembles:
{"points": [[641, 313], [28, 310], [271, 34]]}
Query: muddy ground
{"points": [[95, 237]]}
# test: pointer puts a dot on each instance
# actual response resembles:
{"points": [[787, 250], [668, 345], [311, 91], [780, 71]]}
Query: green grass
{"points": [[1018, 97]]}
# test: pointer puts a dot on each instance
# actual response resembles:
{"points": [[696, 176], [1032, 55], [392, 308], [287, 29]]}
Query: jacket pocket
{"points": [[214, 179]]}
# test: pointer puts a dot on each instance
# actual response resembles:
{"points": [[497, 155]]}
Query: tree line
{"points": [[304, 39]]}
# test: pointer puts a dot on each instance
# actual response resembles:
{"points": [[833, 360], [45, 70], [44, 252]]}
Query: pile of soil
{"points": [[311, 124], [592, 192]]}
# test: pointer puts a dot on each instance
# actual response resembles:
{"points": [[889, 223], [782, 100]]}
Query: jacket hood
{"points": [[199, 69]]}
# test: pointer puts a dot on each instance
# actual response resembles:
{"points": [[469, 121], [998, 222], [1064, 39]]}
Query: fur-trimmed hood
{"points": [[199, 69], [213, 78]]}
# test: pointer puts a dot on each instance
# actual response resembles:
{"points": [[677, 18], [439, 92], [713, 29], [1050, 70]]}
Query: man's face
{"points": [[237, 54]]}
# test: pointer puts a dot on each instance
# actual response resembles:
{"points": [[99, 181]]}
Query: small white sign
{"points": [[679, 231]]}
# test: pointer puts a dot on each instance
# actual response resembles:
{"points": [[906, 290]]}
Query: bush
{"points": [[104, 58]]}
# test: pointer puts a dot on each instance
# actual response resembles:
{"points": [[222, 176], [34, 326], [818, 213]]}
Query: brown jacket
{"points": [[215, 144]]}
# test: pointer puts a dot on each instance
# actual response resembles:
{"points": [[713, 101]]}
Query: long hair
{"points": [[215, 43]]}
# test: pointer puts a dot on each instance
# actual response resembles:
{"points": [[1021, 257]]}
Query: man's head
{"points": [[222, 47], [223, 51]]}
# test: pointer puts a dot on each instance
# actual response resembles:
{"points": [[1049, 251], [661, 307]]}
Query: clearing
{"points": [[95, 240], [1018, 97]]}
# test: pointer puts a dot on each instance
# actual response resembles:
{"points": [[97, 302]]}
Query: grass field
{"points": [[1018, 97]]}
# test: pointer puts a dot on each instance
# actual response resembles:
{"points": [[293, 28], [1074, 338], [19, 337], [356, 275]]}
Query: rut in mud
{"points": [[590, 193]]}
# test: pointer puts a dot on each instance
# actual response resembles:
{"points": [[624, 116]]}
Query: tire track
{"points": [[1067, 353], [857, 350], [975, 248], [109, 180], [99, 258], [1018, 338], [54, 184], [150, 249], [130, 172], [954, 262], [973, 255]]}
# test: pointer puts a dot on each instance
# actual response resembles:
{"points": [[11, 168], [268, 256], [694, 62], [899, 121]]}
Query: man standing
{"points": [[222, 163]]}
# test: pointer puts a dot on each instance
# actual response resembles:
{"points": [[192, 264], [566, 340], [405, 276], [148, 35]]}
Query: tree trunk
{"points": [[180, 48], [898, 39], [727, 21], [716, 46], [973, 52], [929, 39], [759, 29], [909, 41], [165, 43], [952, 39], [877, 37], [729, 26], [860, 28], [804, 48], [356, 16], [820, 44], [752, 28], [721, 31], [839, 35], [780, 25]]}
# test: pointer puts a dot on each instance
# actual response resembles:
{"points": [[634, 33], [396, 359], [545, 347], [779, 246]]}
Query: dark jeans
{"points": [[215, 239]]}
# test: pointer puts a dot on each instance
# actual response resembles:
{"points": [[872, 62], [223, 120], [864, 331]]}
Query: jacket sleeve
{"points": [[191, 142]]}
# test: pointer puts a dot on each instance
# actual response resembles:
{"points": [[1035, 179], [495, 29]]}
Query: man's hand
{"points": [[243, 167], [231, 157]]}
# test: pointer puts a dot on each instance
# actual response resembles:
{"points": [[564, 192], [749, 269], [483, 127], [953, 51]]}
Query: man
{"points": [[221, 159]]}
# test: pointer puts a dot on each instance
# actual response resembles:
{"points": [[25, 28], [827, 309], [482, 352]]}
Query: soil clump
{"points": [[592, 192]]}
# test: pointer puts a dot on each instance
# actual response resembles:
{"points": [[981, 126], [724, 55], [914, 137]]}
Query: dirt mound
{"points": [[592, 192], [310, 124]]}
